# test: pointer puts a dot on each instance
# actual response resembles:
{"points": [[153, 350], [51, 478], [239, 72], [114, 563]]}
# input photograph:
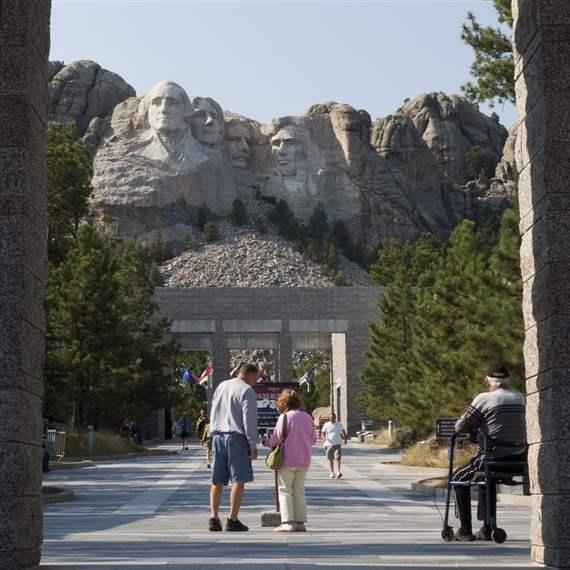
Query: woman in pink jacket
{"points": [[298, 441]]}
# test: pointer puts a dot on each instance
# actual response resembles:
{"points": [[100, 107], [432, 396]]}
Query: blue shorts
{"points": [[232, 461]]}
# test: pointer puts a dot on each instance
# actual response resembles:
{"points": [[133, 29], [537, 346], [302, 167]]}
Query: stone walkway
{"points": [[151, 513]]}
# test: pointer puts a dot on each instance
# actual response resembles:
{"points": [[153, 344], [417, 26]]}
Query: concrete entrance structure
{"points": [[542, 57], [283, 319], [24, 48]]}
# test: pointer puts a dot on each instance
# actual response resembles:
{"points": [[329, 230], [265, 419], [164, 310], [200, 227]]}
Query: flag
{"points": [[205, 376], [188, 377], [308, 378]]}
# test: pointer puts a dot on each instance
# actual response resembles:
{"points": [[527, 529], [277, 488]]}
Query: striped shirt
{"points": [[499, 414]]}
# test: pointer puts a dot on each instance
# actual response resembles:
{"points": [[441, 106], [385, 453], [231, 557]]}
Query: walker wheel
{"points": [[499, 536], [447, 534]]}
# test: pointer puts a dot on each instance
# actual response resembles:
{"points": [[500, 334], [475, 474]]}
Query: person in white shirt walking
{"points": [[334, 434]]}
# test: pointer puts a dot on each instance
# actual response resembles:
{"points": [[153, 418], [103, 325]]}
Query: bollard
{"points": [[90, 439], [391, 429]]}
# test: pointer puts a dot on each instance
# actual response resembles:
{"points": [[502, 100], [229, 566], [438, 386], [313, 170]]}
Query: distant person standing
{"points": [[200, 425], [183, 430], [207, 440], [334, 434], [233, 426], [296, 431]]}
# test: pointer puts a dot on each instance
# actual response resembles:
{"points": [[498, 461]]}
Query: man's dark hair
{"points": [[498, 370], [249, 369]]}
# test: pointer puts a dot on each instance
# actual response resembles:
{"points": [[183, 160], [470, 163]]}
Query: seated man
{"points": [[498, 414]]}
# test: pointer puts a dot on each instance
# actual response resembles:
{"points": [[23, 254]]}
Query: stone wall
{"points": [[284, 318], [24, 47], [542, 57]]}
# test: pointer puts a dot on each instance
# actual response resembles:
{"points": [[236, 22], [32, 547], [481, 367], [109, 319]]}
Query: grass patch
{"points": [[429, 455], [104, 443]]}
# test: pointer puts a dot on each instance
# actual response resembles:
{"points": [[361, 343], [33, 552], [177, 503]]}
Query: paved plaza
{"points": [[152, 512]]}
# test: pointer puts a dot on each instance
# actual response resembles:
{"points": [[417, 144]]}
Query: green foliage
{"points": [[159, 250], [259, 225], [447, 313], [190, 399], [203, 216], [106, 358], [478, 163], [319, 395], [211, 231], [318, 227], [189, 243], [239, 213], [493, 68], [282, 217], [69, 172]]}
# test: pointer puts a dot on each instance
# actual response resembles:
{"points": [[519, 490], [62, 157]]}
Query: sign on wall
{"points": [[267, 396]]}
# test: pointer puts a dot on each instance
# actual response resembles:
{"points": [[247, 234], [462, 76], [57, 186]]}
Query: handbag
{"points": [[274, 459]]}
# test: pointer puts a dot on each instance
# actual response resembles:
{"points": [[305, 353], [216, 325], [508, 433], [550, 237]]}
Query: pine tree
{"points": [[106, 357], [390, 339], [239, 213], [493, 68], [318, 227], [69, 172]]}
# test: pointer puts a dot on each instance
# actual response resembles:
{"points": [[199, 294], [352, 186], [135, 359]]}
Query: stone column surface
{"points": [[220, 355], [285, 371], [541, 40], [24, 49]]}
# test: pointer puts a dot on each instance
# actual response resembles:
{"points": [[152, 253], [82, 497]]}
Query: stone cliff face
{"points": [[159, 159], [82, 91]]}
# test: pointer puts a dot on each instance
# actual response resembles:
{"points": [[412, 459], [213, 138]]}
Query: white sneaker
{"points": [[332, 476], [339, 476], [285, 528]]}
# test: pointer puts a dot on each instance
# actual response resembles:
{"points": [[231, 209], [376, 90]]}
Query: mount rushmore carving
{"points": [[161, 158]]}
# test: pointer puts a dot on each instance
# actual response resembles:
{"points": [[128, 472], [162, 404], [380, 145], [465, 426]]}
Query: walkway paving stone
{"points": [[151, 513]]}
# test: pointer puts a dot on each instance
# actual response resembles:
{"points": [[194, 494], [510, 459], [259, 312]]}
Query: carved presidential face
{"points": [[237, 144], [207, 123], [168, 108], [285, 147]]}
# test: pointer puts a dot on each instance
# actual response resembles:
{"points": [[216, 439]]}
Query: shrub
{"points": [[260, 225], [211, 231], [203, 215], [239, 213]]}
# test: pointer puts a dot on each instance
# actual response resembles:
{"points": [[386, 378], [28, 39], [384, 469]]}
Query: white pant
{"points": [[292, 502]]}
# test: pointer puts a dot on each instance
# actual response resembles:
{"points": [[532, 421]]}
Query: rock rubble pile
{"points": [[249, 260]]}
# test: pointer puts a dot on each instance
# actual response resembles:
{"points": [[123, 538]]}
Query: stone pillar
{"points": [[220, 355], [24, 48], [285, 355], [542, 71]]}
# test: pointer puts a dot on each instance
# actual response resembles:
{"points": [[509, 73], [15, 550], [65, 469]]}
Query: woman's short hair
{"points": [[289, 400]]}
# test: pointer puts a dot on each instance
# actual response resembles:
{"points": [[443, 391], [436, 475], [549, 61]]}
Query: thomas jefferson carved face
{"points": [[284, 149], [237, 144], [207, 122], [168, 108]]}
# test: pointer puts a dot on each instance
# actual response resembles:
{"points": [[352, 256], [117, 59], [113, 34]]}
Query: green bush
{"points": [[203, 215], [104, 443], [239, 213], [211, 232], [260, 225]]}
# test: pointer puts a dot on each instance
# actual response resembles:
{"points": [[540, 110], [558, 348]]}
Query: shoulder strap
{"points": [[284, 427]]}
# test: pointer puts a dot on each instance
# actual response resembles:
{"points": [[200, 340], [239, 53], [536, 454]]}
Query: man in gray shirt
{"points": [[498, 414], [233, 425]]}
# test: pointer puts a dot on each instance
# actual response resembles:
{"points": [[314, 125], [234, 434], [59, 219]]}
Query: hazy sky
{"points": [[265, 59]]}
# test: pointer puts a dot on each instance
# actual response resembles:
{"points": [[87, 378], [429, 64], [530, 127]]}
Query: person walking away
{"points": [[200, 425], [183, 430], [233, 425], [296, 431], [334, 434], [207, 440], [498, 414]]}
